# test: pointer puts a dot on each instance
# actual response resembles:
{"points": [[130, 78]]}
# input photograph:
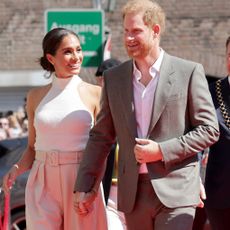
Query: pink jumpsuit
{"points": [[62, 124]]}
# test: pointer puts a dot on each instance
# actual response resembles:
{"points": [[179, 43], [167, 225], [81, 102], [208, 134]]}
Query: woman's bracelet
{"points": [[16, 166]]}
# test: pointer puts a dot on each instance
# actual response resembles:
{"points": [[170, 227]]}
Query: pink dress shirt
{"points": [[143, 99]]}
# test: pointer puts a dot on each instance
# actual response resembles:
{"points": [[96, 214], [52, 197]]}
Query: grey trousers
{"points": [[150, 214]]}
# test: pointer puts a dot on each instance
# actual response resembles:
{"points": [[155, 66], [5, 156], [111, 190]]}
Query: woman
{"points": [[60, 116]]}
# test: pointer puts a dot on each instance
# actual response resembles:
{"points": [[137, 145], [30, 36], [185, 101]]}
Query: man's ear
{"points": [[156, 29]]}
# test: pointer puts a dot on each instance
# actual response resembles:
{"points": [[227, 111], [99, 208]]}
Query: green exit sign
{"points": [[88, 24]]}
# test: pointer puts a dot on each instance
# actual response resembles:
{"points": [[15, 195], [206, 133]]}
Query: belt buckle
{"points": [[53, 159]]}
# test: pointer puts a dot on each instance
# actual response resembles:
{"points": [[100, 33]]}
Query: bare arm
{"points": [[25, 162]]}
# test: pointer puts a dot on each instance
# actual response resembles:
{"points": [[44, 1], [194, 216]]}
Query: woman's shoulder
{"points": [[39, 90], [35, 95]]}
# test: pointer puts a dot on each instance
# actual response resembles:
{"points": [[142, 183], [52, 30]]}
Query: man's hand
{"points": [[147, 150], [202, 195], [83, 202]]}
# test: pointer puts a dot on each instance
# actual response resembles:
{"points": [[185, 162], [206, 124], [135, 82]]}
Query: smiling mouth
{"points": [[75, 66], [132, 45]]}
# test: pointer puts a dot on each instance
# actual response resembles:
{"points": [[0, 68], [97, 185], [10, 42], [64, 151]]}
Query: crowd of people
{"points": [[155, 106], [13, 124]]}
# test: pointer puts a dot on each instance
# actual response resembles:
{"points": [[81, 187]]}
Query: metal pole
{"points": [[97, 4]]}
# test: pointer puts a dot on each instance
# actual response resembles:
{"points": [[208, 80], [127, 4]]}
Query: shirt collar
{"points": [[153, 68]]}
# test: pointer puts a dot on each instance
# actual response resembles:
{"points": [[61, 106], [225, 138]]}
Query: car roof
{"points": [[11, 144]]}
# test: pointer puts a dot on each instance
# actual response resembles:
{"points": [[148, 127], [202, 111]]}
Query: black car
{"points": [[10, 151]]}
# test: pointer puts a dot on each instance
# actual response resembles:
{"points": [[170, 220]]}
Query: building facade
{"points": [[195, 29]]}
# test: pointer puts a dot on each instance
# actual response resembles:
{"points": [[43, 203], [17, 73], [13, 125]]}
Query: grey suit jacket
{"points": [[183, 123]]}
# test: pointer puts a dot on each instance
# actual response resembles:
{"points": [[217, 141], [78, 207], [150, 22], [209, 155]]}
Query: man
{"points": [[218, 167], [161, 111]]}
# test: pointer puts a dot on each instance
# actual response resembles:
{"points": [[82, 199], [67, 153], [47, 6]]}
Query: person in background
{"points": [[60, 116], [159, 109], [217, 184], [107, 179], [15, 129], [105, 65], [24, 119], [4, 127]]}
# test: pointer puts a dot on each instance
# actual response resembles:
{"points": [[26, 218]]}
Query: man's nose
{"points": [[129, 36]]}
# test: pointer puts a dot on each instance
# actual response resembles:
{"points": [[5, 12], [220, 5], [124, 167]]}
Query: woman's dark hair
{"points": [[51, 43]]}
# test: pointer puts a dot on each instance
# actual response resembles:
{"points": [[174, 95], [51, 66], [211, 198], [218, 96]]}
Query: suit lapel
{"points": [[161, 95], [163, 90], [127, 98]]}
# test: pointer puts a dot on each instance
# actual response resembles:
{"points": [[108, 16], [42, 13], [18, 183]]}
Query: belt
{"points": [[55, 158]]}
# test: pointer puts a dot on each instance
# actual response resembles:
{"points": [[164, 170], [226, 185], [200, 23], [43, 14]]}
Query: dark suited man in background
{"points": [[160, 109], [218, 168]]}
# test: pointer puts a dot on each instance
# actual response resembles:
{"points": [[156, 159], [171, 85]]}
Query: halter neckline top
{"points": [[62, 121]]}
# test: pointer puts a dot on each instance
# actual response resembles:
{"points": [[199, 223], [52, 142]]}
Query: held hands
{"points": [[83, 202], [147, 150], [9, 178]]}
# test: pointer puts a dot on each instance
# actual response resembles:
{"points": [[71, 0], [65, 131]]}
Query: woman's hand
{"points": [[9, 178]]}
